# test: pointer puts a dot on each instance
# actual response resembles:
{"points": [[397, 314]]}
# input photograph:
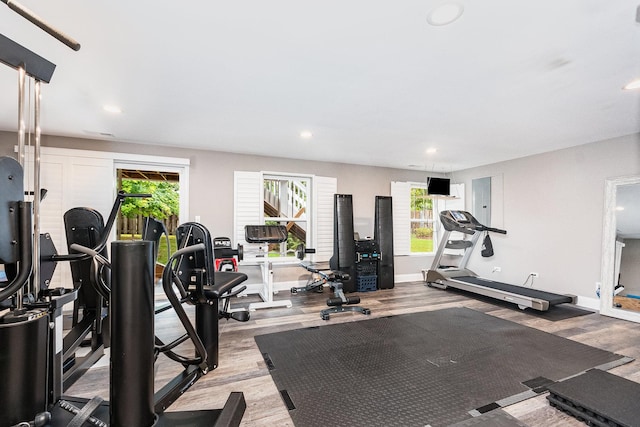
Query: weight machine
{"points": [[84, 227], [31, 380], [135, 349], [356, 265], [265, 235], [31, 315]]}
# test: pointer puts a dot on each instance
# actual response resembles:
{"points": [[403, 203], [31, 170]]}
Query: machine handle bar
{"points": [[97, 267], [186, 250], [91, 252], [113, 215], [491, 229], [168, 280]]}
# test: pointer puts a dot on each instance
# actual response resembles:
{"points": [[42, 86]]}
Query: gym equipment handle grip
{"points": [[496, 230], [36, 20], [83, 249]]}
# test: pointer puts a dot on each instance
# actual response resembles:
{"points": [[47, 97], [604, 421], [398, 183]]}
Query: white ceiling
{"points": [[372, 80]]}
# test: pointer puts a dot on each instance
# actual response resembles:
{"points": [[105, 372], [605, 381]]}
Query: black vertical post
{"points": [[132, 334], [383, 235], [344, 245], [207, 328]]}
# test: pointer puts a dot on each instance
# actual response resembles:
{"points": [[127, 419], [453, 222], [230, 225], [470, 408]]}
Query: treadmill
{"points": [[460, 277]]}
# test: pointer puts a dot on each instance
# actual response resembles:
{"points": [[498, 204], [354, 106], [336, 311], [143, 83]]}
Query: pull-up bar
{"points": [[17, 56], [36, 20]]}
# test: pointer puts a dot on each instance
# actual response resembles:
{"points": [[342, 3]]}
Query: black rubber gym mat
{"points": [[429, 368], [598, 397]]}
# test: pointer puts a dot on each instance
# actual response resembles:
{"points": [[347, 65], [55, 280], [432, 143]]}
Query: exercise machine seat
{"points": [[224, 281]]}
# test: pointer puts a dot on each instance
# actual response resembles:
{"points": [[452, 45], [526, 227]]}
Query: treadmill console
{"points": [[460, 221], [459, 216]]}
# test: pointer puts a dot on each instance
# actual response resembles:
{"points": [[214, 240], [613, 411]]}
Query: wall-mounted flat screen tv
{"points": [[438, 186]]}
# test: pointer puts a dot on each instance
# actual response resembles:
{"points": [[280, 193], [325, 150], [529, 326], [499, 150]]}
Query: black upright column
{"points": [[344, 244], [207, 328], [383, 235], [23, 365], [132, 334]]}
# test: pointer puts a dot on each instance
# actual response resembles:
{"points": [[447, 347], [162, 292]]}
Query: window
{"points": [[422, 226], [302, 203], [416, 222], [286, 202]]}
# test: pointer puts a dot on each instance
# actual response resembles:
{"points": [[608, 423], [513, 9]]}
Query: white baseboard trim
{"points": [[589, 303], [413, 277]]}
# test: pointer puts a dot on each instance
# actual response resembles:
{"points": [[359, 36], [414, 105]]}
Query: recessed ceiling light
{"points": [[445, 14], [305, 134], [112, 109], [635, 84], [619, 208], [431, 150]]}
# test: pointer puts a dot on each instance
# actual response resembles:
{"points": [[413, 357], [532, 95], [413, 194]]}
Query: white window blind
{"points": [[248, 204], [323, 190], [401, 204]]}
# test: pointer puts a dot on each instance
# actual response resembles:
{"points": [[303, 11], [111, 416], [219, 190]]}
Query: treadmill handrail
{"points": [[490, 229], [464, 222]]}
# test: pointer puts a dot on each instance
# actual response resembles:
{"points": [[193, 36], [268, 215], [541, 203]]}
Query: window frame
{"points": [[401, 199], [248, 210], [433, 221], [307, 217]]}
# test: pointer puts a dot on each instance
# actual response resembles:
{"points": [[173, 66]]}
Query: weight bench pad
{"points": [[322, 268]]}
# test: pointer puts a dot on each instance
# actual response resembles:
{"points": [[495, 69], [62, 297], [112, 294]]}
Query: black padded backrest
{"points": [[85, 227], [198, 264], [265, 233]]}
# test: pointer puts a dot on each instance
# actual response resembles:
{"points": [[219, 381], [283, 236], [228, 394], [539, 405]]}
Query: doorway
{"points": [[163, 205]]}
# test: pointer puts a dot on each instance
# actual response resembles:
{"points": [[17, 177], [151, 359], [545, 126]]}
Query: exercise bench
{"points": [[340, 302]]}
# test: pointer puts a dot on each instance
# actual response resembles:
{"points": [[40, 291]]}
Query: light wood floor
{"points": [[243, 369]]}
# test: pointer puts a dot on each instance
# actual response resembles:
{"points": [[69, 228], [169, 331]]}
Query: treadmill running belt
{"points": [[553, 299]]}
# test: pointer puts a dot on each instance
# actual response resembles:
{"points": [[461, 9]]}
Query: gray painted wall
{"points": [[551, 203], [211, 183], [553, 212]]}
